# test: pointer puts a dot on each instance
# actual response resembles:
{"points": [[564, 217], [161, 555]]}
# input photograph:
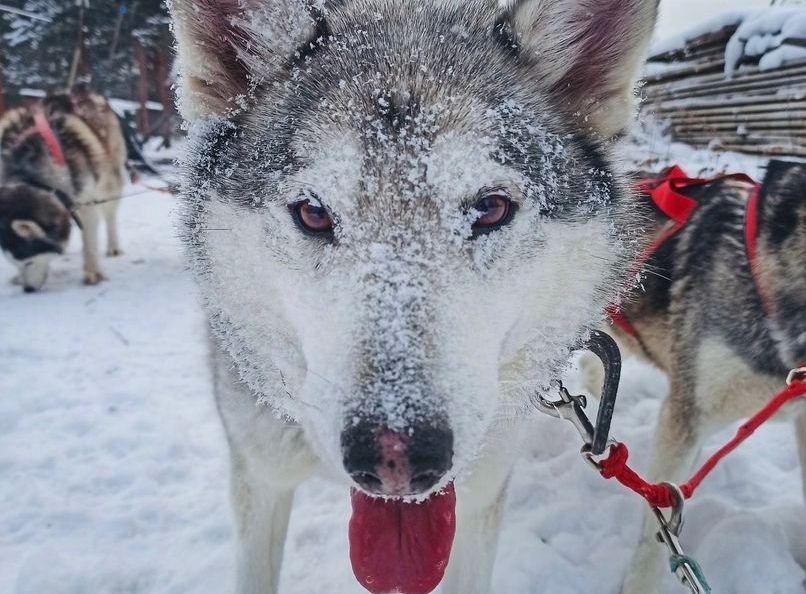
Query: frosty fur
{"points": [[396, 119]]}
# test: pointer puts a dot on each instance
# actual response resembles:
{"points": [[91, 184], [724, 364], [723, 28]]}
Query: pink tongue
{"points": [[402, 547]]}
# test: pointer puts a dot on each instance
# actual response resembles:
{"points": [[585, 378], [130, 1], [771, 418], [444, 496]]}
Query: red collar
{"points": [[44, 129]]}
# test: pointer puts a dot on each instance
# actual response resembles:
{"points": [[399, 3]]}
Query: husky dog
{"points": [[34, 228], [726, 340], [89, 136], [402, 215]]}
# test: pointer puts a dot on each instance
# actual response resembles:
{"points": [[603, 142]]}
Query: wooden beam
{"points": [[719, 37], [755, 103], [792, 78], [793, 117]]}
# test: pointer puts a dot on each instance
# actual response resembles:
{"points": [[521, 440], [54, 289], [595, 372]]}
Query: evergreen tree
{"points": [[41, 55]]}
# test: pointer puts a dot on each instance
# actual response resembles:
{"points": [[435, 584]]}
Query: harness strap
{"points": [[661, 495], [44, 129], [666, 194], [62, 197]]}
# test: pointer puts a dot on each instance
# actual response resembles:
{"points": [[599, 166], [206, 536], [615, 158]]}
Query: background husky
{"points": [[95, 152], [402, 215], [700, 318]]}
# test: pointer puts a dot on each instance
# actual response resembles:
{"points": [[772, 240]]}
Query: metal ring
{"points": [[797, 374]]}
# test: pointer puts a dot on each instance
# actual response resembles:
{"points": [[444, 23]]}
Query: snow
{"points": [[761, 35], [113, 464], [676, 42]]}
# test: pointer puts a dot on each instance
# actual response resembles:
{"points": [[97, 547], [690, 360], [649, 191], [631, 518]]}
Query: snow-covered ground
{"points": [[113, 465]]}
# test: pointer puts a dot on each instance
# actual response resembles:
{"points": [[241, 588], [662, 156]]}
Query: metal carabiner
{"points": [[568, 408], [606, 349], [684, 567], [572, 408]]}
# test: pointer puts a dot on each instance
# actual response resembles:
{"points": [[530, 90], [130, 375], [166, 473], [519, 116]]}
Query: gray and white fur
{"points": [[397, 119]]}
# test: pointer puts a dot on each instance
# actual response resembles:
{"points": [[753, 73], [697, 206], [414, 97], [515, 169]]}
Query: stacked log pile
{"points": [[755, 112]]}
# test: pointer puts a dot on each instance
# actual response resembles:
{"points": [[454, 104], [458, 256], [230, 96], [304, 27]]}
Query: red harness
{"points": [[666, 194], [43, 128]]}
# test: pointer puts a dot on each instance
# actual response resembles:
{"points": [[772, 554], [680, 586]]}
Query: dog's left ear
{"points": [[587, 53], [227, 47]]}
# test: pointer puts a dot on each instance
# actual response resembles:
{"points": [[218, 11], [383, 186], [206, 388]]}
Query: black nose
{"points": [[387, 462], [29, 289]]}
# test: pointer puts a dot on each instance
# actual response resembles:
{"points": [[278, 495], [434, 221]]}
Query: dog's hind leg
{"points": [[677, 443], [800, 431], [480, 502], [269, 460], [88, 215]]}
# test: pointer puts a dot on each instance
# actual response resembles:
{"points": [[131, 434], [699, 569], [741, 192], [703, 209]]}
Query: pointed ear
{"points": [[27, 229], [588, 53], [226, 46]]}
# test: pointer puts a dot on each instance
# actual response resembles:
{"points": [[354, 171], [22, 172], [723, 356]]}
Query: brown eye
{"points": [[494, 210], [312, 218]]}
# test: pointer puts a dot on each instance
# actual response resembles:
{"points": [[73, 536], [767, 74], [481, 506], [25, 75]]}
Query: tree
{"points": [[88, 41]]}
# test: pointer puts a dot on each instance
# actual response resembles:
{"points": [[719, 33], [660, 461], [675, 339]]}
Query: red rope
{"points": [[659, 495]]}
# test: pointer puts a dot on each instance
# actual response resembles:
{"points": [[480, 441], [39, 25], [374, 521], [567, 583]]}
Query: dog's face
{"points": [[404, 217], [34, 228]]}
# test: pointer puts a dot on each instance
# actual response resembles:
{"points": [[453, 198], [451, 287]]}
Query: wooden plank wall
{"points": [[754, 112]]}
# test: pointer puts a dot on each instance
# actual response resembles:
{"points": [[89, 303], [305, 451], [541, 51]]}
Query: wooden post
{"points": [[142, 88], [78, 53], [113, 47], [165, 96], [2, 93]]}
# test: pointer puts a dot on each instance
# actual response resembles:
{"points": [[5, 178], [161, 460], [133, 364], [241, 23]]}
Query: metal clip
{"points": [[569, 408], [797, 374], [684, 567], [572, 408]]}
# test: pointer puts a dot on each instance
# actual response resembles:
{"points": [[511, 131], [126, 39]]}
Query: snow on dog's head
{"points": [[402, 216]]}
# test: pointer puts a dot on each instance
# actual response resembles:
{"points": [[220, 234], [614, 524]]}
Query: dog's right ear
{"points": [[228, 46], [586, 53]]}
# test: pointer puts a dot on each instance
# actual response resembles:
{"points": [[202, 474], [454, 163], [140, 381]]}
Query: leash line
{"points": [[660, 495]]}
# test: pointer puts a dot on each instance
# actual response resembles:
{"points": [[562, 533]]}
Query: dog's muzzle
{"points": [[397, 464]]}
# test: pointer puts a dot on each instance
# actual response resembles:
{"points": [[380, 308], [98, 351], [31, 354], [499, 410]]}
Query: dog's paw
{"points": [[93, 278], [114, 252]]}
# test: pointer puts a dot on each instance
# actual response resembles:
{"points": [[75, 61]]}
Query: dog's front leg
{"points": [[677, 442], [269, 460], [480, 501], [800, 430], [262, 509], [88, 215], [112, 238]]}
